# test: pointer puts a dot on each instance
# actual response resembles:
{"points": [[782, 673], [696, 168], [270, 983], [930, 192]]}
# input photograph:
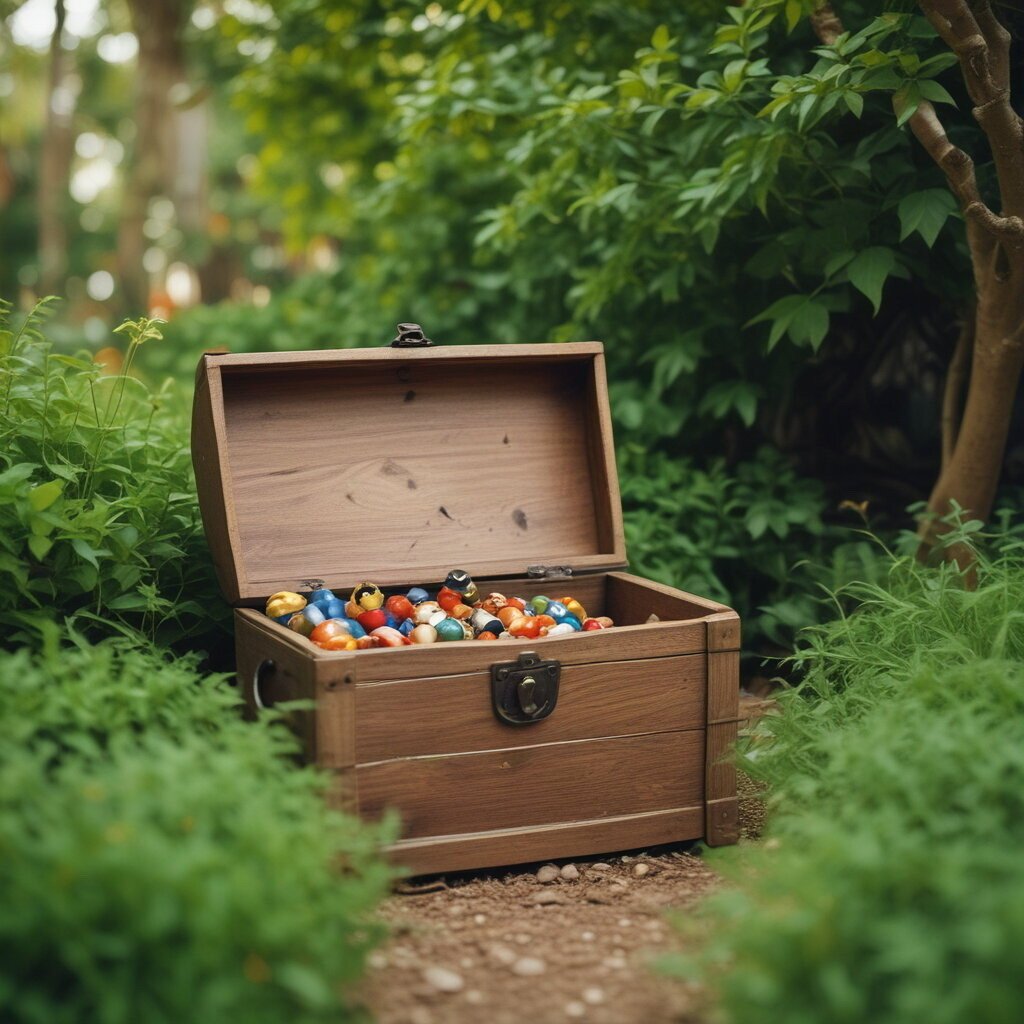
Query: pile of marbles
{"points": [[456, 612]]}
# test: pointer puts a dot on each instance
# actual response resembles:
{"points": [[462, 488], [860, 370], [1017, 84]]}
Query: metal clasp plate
{"points": [[411, 336], [525, 690]]}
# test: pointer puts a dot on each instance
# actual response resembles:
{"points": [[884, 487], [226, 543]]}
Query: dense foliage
{"points": [[891, 885], [98, 514], [772, 261], [729, 223], [165, 860]]}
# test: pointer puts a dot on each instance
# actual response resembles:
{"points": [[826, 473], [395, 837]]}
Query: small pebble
{"points": [[615, 962], [570, 872], [377, 960], [600, 866], [502, 954], [587, 936], [480, 919], [466, 963], [593, 995], [528, 967], [547, 898], [624, 922], [640, 869], [475, 996], [523, 940], [575, 1009], [442, 979], [547, 874]]}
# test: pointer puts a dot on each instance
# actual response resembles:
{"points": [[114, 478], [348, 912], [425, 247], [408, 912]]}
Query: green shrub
{"points": [[891, 887], [750, 535], [164, 860], [896, 893], [98, 514], [914, 618]]}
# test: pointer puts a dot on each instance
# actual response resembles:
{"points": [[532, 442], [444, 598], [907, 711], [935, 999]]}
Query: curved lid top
{"points": [[396, 465]]}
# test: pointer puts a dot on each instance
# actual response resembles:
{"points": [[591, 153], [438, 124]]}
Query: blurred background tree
{"points": [[777, 268]]}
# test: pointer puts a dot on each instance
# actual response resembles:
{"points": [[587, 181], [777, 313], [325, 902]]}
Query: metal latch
{"points": [[525, 690], [411, 336], [548, 572]]}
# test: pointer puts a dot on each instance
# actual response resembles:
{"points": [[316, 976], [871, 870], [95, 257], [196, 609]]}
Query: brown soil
{"points": [[508, 949], [505, 947]]}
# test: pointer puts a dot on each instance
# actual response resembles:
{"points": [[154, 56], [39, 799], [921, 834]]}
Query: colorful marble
{"points": [[374, 619], [368, 596], [423, 634], [307, 620], [284, 604], [449, 630], [368, 619], [389, 637]]}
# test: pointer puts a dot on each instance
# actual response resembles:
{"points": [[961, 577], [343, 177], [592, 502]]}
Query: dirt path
{"points": [[509, 948], [517, 946]]}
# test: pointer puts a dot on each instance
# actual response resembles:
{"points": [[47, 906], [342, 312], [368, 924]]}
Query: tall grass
{"points": [[891, 885]]}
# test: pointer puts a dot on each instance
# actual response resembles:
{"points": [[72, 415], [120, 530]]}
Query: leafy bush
{"points": [[751, 535], [98, 515], [891, 887], [164, 860], [529, 172], [913, 618]]}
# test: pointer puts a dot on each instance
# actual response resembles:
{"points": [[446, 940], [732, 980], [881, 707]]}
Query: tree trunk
{"points": [[154, 165], [55, 167], [971, 476]]}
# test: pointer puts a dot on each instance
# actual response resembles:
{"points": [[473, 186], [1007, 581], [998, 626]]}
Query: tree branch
{"points": [[827, 25], [982, 45], [959, 170]]}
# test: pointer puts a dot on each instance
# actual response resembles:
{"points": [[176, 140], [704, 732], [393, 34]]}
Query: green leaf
{"points": [[869, 270], [854, 102], [39, 546], [905, 102], [925, 212], [794, 12], [810, 324], [935, 92], [661, 38], [43, 496]]}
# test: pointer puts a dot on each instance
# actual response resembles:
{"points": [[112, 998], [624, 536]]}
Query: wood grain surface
{"points": [[547, 842], [471, 461], [449, 714], [213, 483], [540, 785]]}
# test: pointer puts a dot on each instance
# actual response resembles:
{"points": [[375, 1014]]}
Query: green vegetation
{"points": [[164, 860], [890, 887], [745, 205], [98, 514]]}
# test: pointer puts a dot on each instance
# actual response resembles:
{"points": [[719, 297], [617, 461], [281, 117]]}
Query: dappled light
{"points": [[511, 512]]}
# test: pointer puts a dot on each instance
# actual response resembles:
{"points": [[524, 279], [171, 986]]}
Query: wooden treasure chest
{"points": [[396, 465]]}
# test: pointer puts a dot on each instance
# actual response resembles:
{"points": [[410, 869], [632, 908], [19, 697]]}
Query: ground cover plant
{"points": [[890, 887], [98, 515], [165, 860]]}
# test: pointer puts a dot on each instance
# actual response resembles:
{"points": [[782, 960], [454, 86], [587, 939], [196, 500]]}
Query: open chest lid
{"points": [[396, 465]]}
